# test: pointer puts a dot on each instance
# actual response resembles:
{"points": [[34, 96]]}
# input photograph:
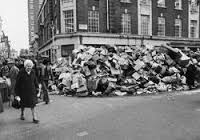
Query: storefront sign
{"points": [[83, 26]]}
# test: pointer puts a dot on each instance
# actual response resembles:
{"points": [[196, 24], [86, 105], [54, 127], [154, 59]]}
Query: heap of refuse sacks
{"points": [[111, 70]]}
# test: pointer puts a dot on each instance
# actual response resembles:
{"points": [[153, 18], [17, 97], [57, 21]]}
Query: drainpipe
{"points": [[108, 21]]}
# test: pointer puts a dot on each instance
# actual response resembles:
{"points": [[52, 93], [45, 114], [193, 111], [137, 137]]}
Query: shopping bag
{"points": [[16, 104]]}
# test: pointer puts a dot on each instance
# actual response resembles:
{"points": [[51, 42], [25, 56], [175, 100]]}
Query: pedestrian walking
{"points": [[45, 76], [4, 72], [13, 76], [26, 88]]}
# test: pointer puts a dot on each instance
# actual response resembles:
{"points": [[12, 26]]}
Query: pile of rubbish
{"points": [[111, 70]]}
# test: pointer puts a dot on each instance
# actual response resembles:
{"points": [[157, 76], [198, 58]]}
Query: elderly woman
{"points": [[26, 88]]}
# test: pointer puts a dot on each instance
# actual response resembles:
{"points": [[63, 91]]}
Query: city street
{"points": [[166, 117]]}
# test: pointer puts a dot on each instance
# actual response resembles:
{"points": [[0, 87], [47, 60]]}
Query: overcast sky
{"points": [[14, 14]]}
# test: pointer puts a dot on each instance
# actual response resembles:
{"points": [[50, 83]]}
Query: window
{"points": [[66, 50], [125, 1], [30, 1], [178, 4], [126, 23], [145, 2], [32, 17], [31, 12], [40, 1], [69, 21], [67, 1], [145, 21], [194, 7], [178, 27], [31, 6], [193, 28], [93, 21], [32, 28], [161, 26], [161, 3]]}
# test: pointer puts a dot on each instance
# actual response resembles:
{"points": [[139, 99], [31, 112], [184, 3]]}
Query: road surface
{"points": [[163, 117]]}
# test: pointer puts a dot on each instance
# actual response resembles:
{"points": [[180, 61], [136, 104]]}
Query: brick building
{"points": [[66, 24], [33, 9]]}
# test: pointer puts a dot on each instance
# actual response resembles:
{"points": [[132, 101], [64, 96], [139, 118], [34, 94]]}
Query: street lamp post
{"points": [[52, 47]]}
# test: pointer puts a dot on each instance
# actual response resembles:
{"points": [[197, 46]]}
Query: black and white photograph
{"points": [[99, 69]]}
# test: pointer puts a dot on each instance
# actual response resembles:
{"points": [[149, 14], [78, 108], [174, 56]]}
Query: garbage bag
{"points": [[91, 64], [167, 79], [161, 87], [86, 71], [92, 84], [102, 85], [154, 79], [119, 93], [110, 89]]}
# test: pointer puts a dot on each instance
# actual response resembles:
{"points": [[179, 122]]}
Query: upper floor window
{"points": [[145, 2], [69, 21], [193, 7], [93, 21], [145, 22], [178, 28], [178, 4], [67, 1], [126, 23], [31, 6], [32, 17], [161, 3], [161, 26], [31, 1], [193, 28], [125, 1]]}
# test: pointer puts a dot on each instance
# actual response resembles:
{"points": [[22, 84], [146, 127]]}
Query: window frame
{"points": [[67, 1], [178, 23], [145, 25], [194, 27], [93, 21], [68, 16], [161, 26], [161, 4], [125, 1], [180, 4]]}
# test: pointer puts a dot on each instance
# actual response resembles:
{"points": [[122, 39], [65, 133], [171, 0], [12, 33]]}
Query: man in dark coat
{"points": [[45, 75], [26, 88], [190, 75]]}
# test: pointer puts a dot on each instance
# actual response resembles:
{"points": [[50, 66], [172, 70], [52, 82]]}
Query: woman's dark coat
{"points": [[26, 88]]}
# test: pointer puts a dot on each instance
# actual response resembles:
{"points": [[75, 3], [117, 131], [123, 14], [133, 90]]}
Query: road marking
{"points": [[81, 134]]}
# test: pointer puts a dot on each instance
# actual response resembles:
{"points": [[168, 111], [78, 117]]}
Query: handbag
{"points": [[16, 104]]}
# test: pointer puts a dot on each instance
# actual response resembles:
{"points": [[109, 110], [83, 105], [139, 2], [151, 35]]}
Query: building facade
{"points": [[66, 24], [33, 9], [4, 43]]}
